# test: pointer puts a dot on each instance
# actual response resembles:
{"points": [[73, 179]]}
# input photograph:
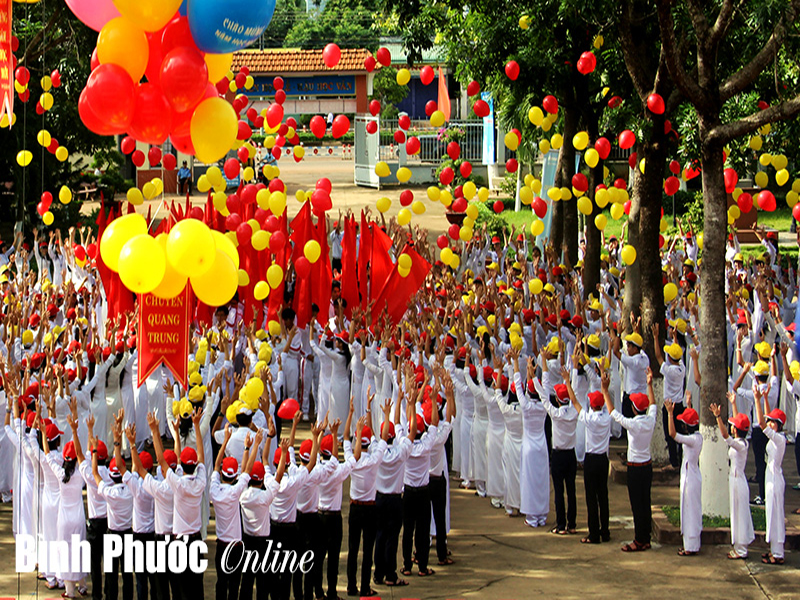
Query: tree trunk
{"points": [[591, 261], [633, 280], [714, 354], [566, 169]]}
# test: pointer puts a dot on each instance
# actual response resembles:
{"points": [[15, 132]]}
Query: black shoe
{"points": [[369, 592], [353, 593], [378, 581], [606, 538]]}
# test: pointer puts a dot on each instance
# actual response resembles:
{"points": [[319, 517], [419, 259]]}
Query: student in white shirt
{"points": [[563, 462], [640, 467], [674, 372], [597, 423], [438, 470], [635, 362]]}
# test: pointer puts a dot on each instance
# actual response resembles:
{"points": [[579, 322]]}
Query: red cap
{"points": [[69, 451], [564, 314], [344, 336], [305, 449], [531, 387], [132, 342], [52, 431], [34, 320], [366, 435], [102, 450], [740, 421], [503, 383], [577, 321], [552, 320], [147, 460], [489, 306], [113, 470], [326, 445], [450, 342], [495, 240], [774, 415], [462, 353], [230, 466], [792, 326], [420, 424], [71, 314], [556, 271], [30, 419], [169, 457], [473, 371], [52, 310], [690, 417], [390, 425], [640, 402], [596, 400], [188, 456], [488, 373], [276, 458], [258, 471], [32, 389], [527, 315], [561, 392]]}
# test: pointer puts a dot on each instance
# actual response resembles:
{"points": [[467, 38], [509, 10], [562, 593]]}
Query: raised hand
{"points": [[715, 409]]}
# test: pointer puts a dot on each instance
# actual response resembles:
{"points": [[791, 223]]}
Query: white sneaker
{"points": [[531, 522], [305, 417], [542, 521], [497, 503]]}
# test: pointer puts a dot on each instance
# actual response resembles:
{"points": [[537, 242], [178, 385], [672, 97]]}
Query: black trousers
{"points": [[627, 408], [184, 185], [416, 526], [94, 535], [308, 526], [253, 576], [438, 491], [595, 480], [563, 469], [674, 448], [390, 520], [167, 580], [797, 455], [332, 530], [362, 522], [191, 584], [227, 586], [760, 452], [287, 534], [143, 579], [112, 583], [640, 479]]}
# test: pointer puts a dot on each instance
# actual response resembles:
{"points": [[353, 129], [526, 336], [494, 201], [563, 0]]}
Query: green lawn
{"points": [[673, 514]]}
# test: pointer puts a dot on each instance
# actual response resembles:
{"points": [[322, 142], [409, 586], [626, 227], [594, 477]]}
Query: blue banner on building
{"points": [[488, 131], [320, 85]]}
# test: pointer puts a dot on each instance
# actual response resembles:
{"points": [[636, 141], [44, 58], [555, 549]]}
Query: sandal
{"points": [[772, 560], [558, 531], [589, 541], [406, 572], [398, 583], [683, 552], [427, 572], [572, 531], [635, 547], [446, 561], [733, 556]]}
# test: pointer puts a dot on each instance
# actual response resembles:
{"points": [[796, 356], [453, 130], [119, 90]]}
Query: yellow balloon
{"points": [[403, 76], [277, 203], [220, 199], [537, 228], [218, 65], [24, 158], [135, 196], [248, 173], [580, 140], [404, 217], [455, 261], [600, 221], [382, 169], [142, 264], [123, 42], [46, 83], [403, 272], [782, 177], [261, 290], [434, 193], [64, 195], [535, 285], [584, 205], [446, 254], [191, 248], [617, 210], [536, 116], [446, 198], [762, 179], [46, 100], [243, 277], [469, 189], [483, 194], [260, 240], [173, 282], [249, 82], [544, 146], [566, 194], [437, 119], [472, 212], [733, 211], [526, 196], [403, 174], [418, 207], [547, 124], [217, 285], [150, 15], [404, 260], [274, 276], [511, 141], [312, 251], [149, 190], [524, 22], [203, 184], [298, 151], [602, 197], [465, 234], [44, 138], [592, 157], [792, 198], [756, 142], [779, 161], [765, 159], [213, 129], [554, 194], [628, 254], [670, 292], [48, 218], [383, 204], [556, 141], [117, 234]]}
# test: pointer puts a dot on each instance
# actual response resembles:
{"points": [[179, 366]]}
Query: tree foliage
{"points": [[348, 23]]}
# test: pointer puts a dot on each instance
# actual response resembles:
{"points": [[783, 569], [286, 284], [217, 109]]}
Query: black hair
{"points": [[185, 426], [741, 433], [227, 479], [188, 469], [256, 483], [336, 284], [778, 423], [314, 308], [512, 398], [460, 363], [69, 468], [222, 309], [244, 420]]}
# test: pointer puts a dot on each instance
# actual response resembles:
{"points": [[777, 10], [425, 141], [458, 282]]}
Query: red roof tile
{"points": [[281, 60]]}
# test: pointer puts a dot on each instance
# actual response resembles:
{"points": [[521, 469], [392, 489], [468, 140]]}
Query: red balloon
{"points": [[498, 206], [137, 158], [288, 408], [244, 233], [481, 108], [400, 136], [459, 204], [331, 55], [169, 162], [430, 107], [94, 62], [675, 167], [587, 63], [453, 150], [302, 267], [182, 143], [175, 34], [766, 201], [446, 176], [655, 103], [127, 145], [539, 207], [47, 200], [92, 122], [627, 207], [458, 192], [407, 197], [231, 168], [512, 165], [796, 212], [672, 185], [243, 155], [111, 95], [155, 56], [184, 75], [579, 182], [412, 145], [731, 179], [196, 213], [276, 185], [453, 231], [372, 127], [442, 242], [91, 250], [620, 183], [280, 97], [369, 64], [603, 147], [627, 139], [404, 122], [240, 80], [384, 56], [465, 169], [271, 222], [632, 159], [550, 104], [152, 116], [473, 88], [252, 114], [154, 156], [374, 108], [274, 115], [341, 125], [41, 209], [222, 86], [745, 203], [426, 75], [512, 70], [614, 102], [244, 131], [661, 241], [22, 75], [318, 126], [321, 201], [324, 184], [277, 241], [249, 195], [232, 222], [277, 83], [234, 204], [39, 108]]}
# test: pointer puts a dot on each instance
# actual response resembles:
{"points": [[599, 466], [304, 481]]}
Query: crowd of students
{"points": [[505, 374]]}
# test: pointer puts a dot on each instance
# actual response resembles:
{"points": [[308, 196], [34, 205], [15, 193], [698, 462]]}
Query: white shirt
{"points": [[635, 372], [225, 497], [308, 496], [255, 504], [120, 505], [188, 496], [97, 504], [143, 506], [235, 447], [284, 506], [598, 430], [364, 476], [565, 420], [330, 489], [393, 467], [163, 499], [674, 376], [418, 466], [438, 459], [640, 432]]}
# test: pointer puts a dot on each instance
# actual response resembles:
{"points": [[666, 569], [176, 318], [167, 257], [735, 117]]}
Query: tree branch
{"points": [[633, 57], [745, 76], [37, 39], [721, 24], [689, 88], [780, 112]]}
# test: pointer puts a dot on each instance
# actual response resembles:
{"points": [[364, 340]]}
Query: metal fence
{"points": [[433, 141]]}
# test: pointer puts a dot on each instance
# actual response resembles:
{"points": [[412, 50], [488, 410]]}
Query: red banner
{"points": [[6, 62], [163, 335]]}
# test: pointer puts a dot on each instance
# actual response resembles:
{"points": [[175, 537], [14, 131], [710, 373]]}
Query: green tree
{"points": [[388, 92], [287, 14], [348, 23]]}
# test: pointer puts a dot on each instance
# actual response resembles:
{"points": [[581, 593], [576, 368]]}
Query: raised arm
{"points": [[197, 417], [570, 391], [760, 399], [362, 421], [716, 410], [221, 453], [668, 404], [157, 448]]}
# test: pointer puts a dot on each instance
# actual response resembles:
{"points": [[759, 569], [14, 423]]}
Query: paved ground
{"points": [[499, 558]]}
